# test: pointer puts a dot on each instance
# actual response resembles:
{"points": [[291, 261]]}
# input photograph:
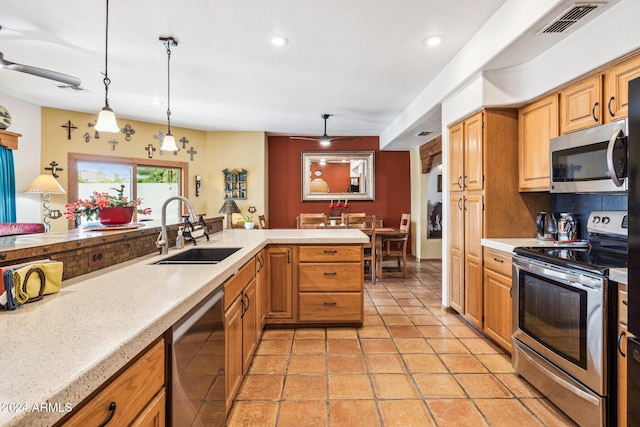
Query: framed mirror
{"points": [[333, 175]]}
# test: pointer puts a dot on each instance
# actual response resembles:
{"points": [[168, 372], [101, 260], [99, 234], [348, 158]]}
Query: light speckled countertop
{"points": [[60, 349], [509, 244]]}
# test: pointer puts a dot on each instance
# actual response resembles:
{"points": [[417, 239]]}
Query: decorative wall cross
{"points": [[113, 143], [128, 131], [92, 125], [191, 152], [184, 142], [69, 127], [150, 149], [86, 137], [54, 168]]}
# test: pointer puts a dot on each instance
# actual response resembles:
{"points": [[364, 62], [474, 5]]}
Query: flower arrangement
{"points": [[91, 206]]}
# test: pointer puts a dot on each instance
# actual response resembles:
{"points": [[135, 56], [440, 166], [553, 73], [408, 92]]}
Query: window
{"points": [[154, 182]]}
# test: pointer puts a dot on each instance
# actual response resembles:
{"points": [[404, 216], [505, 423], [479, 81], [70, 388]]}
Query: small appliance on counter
{"points": [[567, 228], [546, 226]]}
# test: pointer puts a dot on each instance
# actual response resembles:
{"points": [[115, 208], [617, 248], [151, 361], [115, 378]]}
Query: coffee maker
{"points": [[546, 226]]}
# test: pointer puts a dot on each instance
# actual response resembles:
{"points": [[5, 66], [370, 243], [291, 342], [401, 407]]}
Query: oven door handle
{"points": [[558, 274], [610, 147]]}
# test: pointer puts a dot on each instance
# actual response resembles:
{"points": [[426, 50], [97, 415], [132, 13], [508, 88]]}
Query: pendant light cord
{"points": [[168, 43], [106, 80]]}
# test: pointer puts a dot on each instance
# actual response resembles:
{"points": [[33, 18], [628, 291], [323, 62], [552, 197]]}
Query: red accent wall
{"points": [[392, 181]]}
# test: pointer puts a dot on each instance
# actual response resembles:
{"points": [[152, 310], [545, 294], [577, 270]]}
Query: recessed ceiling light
{"points": [[433, 41], [278, 40], [157, 102]]}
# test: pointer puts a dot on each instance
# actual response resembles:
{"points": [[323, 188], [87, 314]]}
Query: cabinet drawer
{"points": [[330, 253], [235, 284], [331, 307], [497, 261], [331, 277], [623, 311], [131, 391]]}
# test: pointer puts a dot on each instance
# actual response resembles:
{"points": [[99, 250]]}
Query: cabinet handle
{"points": [[464, 205], [330, 252], [330, 273], [593, 111], [620, 336], [609, 106], [460, 182], [501, 261], [460, 203], [330, 304], [244, 307], [464, 181], [625, 302], [112, 412], [248, 301]]}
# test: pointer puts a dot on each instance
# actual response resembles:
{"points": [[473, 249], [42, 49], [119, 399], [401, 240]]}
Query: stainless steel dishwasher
{"points": [[196, 350]]}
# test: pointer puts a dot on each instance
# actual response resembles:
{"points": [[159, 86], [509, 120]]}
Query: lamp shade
{"points": [[107, 121], [45, 184], [229, 206], [168, 143]]}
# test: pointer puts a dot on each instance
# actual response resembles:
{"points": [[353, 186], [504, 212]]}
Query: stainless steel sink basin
{"points": [[199, 256]]}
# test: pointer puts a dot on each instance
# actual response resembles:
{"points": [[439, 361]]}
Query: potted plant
{"points": [[108, 209], [248, 222]]}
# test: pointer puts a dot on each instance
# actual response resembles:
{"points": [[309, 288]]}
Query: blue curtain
{"points": [[7, 186]]}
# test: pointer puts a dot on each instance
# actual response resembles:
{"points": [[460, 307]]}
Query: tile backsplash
{"points": [[582, 204]]}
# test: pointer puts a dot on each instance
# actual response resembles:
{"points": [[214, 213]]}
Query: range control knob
{"points": [[605, 220], [596, 219]]}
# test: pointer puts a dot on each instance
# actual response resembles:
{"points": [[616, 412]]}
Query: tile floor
{"points": [[411, 364]]}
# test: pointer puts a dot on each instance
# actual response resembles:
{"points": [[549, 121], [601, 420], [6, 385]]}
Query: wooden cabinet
{"points": [[262, 291], [330, 284], [135, 395], [280, 280], [9, 139], [623, 334], [616, 88], [489, 205], [456, 151], [537, 123], [240, 319], [581, 105], [497, 297]]}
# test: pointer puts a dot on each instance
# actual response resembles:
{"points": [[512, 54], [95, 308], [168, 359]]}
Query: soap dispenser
{"points": [[180, 238]]}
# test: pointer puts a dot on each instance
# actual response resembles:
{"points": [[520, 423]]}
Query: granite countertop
{"points": [[60, 349], [509, 244]]}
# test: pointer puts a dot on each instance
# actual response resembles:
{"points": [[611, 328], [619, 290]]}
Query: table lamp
{"points": [[229, 207], [45, 185]]}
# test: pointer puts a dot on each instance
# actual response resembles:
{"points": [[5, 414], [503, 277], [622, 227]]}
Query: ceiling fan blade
{"points": [[346, 138], [304, 137], [39, 72]]}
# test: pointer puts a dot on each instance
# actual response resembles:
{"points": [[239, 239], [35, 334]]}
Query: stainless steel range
{"points": [[561, 341]]}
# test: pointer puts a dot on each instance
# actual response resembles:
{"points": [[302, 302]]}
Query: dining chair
{"points": [[346, 216], [311, 220], [262, 222], [395, 246], [368, 224]]}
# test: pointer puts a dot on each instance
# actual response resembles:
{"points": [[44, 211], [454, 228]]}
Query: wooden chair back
{"points": [[262, 222], [405, 222], [311, 220], [346, 216]]}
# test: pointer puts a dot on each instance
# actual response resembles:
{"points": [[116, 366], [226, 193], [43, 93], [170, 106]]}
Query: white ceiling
{"points": [[360, 60]]}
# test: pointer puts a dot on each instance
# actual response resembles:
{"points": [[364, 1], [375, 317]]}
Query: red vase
{"points": [[116, 215]]}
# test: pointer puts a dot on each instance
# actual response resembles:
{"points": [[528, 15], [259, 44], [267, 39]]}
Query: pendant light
{"points": [[169, 142], [106, 118]]}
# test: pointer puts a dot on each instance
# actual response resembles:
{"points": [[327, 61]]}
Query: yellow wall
{"points": [[215, 152], [237, 150]]}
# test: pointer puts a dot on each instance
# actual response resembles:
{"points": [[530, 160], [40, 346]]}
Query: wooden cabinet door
{"points": [[580, 105], [473, 153], [262, 291], [473, 231], [456, 252], [233, 353], [537, 122], [497, 308], [280, 273], [617, 88], [249, 321], [622, 374], [456, 157], [154, 414]]}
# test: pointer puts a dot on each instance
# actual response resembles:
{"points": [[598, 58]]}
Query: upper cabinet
{"points": [[465, 139], [580, 105], [537, 122], [616, 83], [456, 154]]}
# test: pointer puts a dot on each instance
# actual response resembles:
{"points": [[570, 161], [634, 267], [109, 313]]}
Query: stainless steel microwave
{"points": [[592, 160]]}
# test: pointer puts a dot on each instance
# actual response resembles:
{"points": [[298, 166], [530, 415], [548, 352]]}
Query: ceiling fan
{"points": [[40, 72], [325, 139]]}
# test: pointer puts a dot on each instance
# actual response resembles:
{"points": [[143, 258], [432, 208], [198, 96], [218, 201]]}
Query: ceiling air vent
{"points": [[424, 133], [566, 19]]}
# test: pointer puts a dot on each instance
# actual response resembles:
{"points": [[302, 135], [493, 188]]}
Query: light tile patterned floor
{"points": [[411, 364]]}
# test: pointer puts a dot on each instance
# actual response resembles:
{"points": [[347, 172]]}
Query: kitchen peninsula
{"points": [[58, 351]]}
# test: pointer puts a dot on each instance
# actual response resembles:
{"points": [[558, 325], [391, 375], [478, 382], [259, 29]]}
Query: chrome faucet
{"points": [[162, 238]]}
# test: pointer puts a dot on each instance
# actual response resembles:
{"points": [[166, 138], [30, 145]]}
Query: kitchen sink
{"points": [[199, 256]]}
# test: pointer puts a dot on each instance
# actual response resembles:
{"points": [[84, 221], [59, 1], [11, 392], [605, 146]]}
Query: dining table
{"points": [[381, 233]]}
